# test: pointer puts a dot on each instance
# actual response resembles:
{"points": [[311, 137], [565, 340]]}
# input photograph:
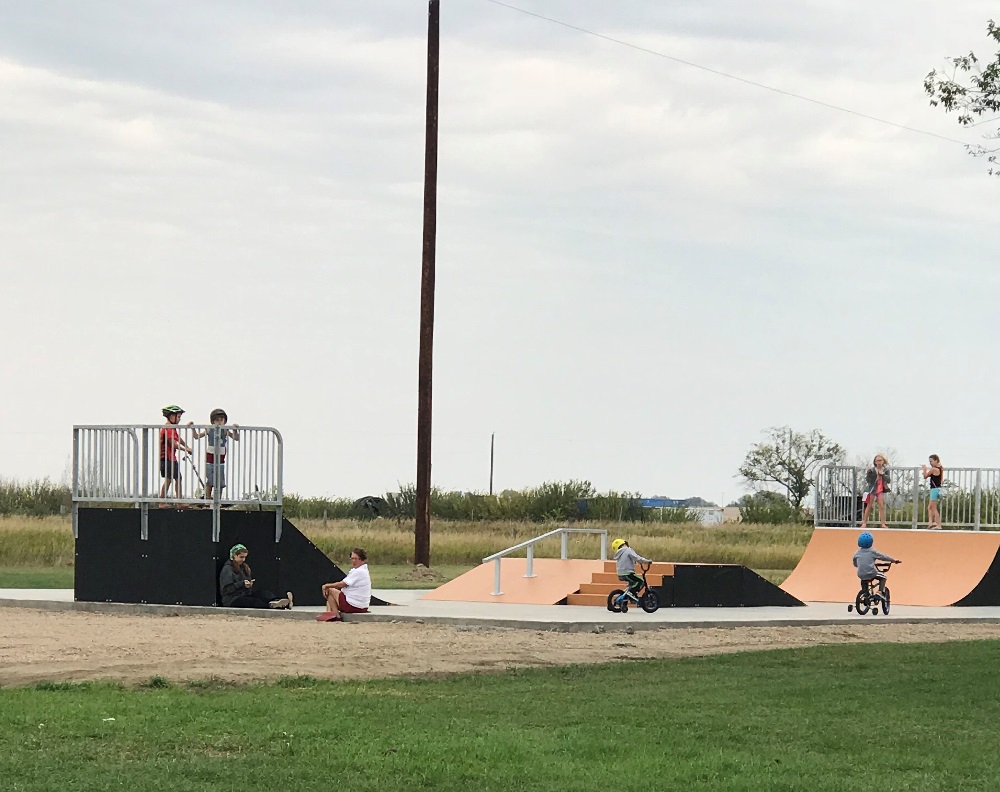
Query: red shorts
{"points": [[345, 607]]}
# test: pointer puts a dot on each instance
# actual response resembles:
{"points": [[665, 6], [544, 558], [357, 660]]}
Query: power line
{"points": [[727, 75]]}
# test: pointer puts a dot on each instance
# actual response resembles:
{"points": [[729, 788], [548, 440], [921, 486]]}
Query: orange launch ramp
{"points": [[555, 579], [939, 567]]}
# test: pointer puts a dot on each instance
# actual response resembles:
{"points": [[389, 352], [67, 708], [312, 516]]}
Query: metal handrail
{"points": [[564, 533]]}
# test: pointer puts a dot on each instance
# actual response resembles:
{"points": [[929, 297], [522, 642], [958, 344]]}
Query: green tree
{"points": [[789, 461], [972, 89], [766, 507]]}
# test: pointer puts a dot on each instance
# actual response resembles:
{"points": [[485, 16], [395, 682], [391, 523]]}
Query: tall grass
{"points": [[36, 541], [462, 542], [49, 541]]}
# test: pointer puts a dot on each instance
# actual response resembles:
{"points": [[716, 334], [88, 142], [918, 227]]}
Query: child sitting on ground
{"points": [[865, 558], [625, 560]]}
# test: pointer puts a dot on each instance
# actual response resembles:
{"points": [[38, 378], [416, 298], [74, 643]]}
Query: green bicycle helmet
{"points": [[172, 409]]}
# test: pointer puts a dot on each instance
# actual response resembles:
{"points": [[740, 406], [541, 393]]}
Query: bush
{"points": [[34, 498], [766, 508]]}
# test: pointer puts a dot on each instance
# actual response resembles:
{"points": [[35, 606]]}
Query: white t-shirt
{"points": [[358, 587]]}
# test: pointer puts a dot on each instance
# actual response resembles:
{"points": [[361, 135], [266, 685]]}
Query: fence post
{"points": [[979, 499], [604, 545], [530, 572], [916, 498], [564, 550], [76, 482], [819, 475], [496, 578], [144, 511]]}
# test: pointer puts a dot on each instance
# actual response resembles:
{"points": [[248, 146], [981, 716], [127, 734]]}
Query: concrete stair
{"points": [[603, 583]]}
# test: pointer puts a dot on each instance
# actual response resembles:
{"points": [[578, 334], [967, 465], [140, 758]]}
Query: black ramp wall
{"points": [[179, 564]]}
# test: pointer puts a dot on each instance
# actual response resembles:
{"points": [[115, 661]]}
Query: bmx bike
{"points": [[874, 594], [649, 600]]}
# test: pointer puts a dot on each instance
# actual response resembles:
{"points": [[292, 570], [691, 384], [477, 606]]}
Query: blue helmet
{"points": [[866, 540]]}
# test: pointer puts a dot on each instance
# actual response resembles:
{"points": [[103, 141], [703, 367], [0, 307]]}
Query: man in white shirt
{"points": [[353, 594]]}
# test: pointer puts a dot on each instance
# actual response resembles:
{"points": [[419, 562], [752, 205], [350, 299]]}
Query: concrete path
{"points": [[565, 618]]}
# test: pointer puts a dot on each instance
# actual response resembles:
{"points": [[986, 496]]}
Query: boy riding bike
{"points": [[865, 558], [625, 560]]}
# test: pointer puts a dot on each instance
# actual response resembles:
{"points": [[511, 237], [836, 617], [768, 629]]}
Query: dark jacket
{"points": [[871, 479], [232, 583]]}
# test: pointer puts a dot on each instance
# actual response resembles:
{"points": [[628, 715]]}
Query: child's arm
{"points": [[235, 432], [884, 557]]}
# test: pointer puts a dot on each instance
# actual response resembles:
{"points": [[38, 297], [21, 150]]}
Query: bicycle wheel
{"points": [[613, 605], [885, 602], [861, 603], [650, 601]]}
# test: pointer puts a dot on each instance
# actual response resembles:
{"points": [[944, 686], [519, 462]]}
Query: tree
{"points": [[972, 101], [789, 460]]}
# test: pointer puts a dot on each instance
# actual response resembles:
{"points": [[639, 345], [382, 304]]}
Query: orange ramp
{"points": [[555, 579], [939, 567]]}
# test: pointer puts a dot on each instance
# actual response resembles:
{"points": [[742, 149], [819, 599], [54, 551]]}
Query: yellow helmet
{"points": [[617, 545]]}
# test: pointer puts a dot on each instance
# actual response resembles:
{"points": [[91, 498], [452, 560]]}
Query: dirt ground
{"points": [[40, 646]]}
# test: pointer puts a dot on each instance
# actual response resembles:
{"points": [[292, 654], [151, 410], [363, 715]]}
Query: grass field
{"points": [[47, 544], [383, 577], [830, 719]]}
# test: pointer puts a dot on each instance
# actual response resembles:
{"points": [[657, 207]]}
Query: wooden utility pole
{"points": [[492, 438], [422, 534]]}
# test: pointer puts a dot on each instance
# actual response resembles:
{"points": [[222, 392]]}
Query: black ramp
{"points": [[987, 590], [721, 586], [707, 586], [181, 567], [304, 568], [758, 591], [111, 563]]}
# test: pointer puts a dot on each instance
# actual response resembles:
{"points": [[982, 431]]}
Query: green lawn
{"points": [[36, 577], [832, 719]]}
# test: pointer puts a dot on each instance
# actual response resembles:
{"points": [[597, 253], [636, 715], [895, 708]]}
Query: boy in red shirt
{"points": [[170, 441]]}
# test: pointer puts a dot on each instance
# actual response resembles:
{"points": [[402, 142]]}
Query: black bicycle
{"points": [[874, 594], [648, 600]]}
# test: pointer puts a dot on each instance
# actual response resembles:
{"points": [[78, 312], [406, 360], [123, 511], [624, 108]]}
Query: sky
{"points": [[640, 265]]}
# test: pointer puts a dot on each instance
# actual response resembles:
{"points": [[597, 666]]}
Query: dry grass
{"points": [[48, 541]]}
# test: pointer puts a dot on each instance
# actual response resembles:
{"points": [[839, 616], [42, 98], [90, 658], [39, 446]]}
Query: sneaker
{"points": [[327, 616], [291, 600], [279, 603]]}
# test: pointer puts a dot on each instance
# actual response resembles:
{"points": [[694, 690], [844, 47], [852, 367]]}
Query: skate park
{"points": [[140, 553]]}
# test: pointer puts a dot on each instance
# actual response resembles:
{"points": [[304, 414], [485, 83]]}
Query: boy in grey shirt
{"points": [[865, 558], [625, 560]]}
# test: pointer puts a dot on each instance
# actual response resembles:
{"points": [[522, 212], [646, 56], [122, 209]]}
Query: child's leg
{"points": [[634, 583], [881, 510], [868, 509]]}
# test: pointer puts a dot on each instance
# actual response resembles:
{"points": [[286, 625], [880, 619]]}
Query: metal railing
{"points": [[529, 545], [127, 466], [970, 498]]}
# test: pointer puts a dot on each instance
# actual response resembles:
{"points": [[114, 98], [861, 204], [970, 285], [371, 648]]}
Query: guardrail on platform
{"points": [[970, 498], [529, 545], [126, 466]]}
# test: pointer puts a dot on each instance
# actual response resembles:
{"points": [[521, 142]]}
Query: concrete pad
{"points": [[562, 618]]}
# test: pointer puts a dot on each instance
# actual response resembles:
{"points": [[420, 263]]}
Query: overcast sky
{"points": [[640, 265]]}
